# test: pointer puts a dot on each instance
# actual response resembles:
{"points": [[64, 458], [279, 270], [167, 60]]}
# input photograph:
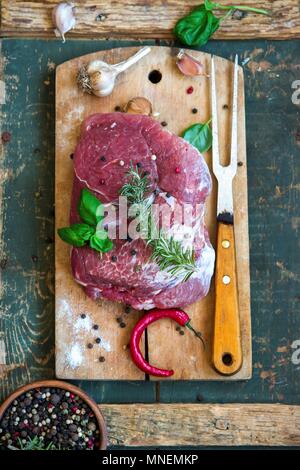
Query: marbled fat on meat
{"points": [[120, 275]]}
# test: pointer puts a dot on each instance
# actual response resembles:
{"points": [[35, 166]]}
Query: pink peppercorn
{"points": [[5, 137], [190, 90], [72, 396], [74, 409], [177, 170]]}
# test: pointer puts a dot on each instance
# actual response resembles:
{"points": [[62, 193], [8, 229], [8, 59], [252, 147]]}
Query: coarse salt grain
{"points": [[74, 356], [153, 157]]}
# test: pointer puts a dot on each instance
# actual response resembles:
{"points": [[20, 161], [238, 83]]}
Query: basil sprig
{"points": [[196, 28], [199, 135], [91, 212]]}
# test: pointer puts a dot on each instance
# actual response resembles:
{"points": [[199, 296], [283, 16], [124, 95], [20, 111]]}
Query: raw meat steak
{"points": [[177, 174]]}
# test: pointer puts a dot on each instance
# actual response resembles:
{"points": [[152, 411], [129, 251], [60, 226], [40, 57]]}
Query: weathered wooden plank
{"points": [[146, 19], [27, 165], [202, 425]]}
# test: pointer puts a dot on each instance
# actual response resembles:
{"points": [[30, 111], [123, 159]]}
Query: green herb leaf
{"points": [[101, 242], [196, 28], [76, 234], [209, 5], [90, 208], [218, 6], [170, 256], [199, 135], [136, 187], [36, 444], [166, 252], [91, 211]]}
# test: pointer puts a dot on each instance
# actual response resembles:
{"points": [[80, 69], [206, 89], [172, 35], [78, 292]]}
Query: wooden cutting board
{"points": [[167, 348]]}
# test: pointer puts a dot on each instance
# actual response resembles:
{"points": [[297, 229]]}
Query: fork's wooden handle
{"points": [[227, 350]]}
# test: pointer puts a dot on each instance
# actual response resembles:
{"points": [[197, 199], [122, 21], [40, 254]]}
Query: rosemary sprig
{"points": [[170, 256], [36, 444], [137, 186], [167, 252]]}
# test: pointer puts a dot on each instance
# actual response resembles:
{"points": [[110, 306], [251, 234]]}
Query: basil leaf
{"points": [[209, 5], [101, 242], [196, 28], [76, 234], [90, 208], [199, 135]]}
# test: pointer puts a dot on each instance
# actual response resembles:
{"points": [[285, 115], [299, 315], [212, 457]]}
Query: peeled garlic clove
{"points": [[138, 105], [188, 65], [63, 18]]}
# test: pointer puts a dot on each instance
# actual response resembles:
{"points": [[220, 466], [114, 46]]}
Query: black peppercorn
{"points": [[83, 316], [89, 345], [194, 110], [118, 108], [114, 258], [98, 340], [133, 252], [139, 165], [101, 359], [122, 324], [127, 308], [164, 123], [103, 159], [72, 156], [95, 327]]}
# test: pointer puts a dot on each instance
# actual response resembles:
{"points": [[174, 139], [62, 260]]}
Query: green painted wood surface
{"points": [[27, 270]]}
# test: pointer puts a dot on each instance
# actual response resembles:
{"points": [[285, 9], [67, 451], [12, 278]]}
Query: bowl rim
{"points": [[64, 386]]}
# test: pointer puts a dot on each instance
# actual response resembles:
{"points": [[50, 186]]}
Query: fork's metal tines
{"points": [[224, 174]]}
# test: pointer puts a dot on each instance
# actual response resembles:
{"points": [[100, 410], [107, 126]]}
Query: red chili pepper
{"points": [[179, 316]]}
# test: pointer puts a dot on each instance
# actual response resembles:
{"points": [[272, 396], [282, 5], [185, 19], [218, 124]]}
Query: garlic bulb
{"points": [[99, 78], [63, 18], [188, 65]]}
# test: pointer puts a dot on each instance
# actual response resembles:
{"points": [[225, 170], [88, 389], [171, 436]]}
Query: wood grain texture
{"points": [[27, 169], [166, 346], [73, 358], [202, 425], [227, 355], [146, 19]]}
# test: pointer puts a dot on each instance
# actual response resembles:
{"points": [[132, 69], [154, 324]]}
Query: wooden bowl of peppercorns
{"points": [[51, 415]]}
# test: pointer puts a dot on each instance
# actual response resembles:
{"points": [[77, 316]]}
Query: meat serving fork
{"points": [[227, 356]]}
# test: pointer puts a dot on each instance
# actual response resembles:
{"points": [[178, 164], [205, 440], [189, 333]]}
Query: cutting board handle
{"points": [[227, 350]]}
